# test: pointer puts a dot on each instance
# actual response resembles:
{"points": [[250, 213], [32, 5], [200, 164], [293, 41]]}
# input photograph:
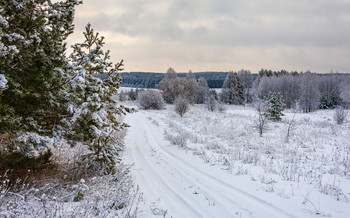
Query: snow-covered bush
{"points": [[211, 103], [181, 106], [179, 139], [221, 107], [151, 99], [340, 115]]}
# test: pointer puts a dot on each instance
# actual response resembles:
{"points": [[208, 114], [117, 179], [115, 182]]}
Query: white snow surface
{"points": [[205, 178], [3, 81]]}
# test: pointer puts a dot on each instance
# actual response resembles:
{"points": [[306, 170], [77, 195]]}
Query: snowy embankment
{"points": [[242, 175]]}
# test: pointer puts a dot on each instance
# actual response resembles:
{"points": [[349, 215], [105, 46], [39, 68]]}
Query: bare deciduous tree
{"points": [[173, 87], [291, 126], [246, 79], [309, 93], [261, 121], [202, 90]]}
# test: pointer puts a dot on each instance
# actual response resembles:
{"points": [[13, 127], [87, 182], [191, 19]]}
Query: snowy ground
{"points": [[211, 164]]}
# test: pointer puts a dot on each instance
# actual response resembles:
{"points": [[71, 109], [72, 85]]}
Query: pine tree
{"points": [[274, 105], [95, 118], [132, 95], [232, 90], [34, 69]]}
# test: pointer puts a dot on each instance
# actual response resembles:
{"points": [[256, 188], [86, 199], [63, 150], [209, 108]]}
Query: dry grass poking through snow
{"points": [[65, 189], [317, 152]]}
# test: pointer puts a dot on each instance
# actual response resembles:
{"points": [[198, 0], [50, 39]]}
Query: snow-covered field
{"points": [[212, 164]]}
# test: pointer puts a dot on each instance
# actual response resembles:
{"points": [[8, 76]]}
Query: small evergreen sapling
{"points": [[95, 121], [274, 104]]}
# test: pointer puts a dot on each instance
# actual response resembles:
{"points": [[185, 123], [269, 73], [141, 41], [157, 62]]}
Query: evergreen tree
{"points": [[122, 96], [232, 90], [132, 95], [213, 93], [95, 115], [274, 105], [33, 67]]}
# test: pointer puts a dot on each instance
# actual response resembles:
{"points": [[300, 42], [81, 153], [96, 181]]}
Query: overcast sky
{"points": [[222, 35]]}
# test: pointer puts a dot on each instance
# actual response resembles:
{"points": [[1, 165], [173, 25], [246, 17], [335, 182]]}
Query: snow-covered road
{"points": [[180, 184]]}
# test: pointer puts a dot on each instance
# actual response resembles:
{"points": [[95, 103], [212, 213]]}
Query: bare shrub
{"points": [[105, 196], [340, 115], [221, 108], [181, 106], [291, 126], [151, 99], [180, 139], [211, 103], [261, 121]]}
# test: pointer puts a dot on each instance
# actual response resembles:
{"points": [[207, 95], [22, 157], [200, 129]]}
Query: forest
{"points": [[310, 91], [151, 80]]}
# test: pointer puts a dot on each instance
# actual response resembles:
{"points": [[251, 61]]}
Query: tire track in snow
{"points": [[207, 188], [199, 173], [152, 138], [151, 179]]}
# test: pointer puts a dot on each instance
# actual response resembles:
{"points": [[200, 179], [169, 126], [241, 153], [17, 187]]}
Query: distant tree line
{"points": [[306, 91], [151, 80], [303, 90]]}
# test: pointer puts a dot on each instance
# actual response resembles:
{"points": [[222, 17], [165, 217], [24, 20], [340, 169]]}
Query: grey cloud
{"points": [[225, 23]]}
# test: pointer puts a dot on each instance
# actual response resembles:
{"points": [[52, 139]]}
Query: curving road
{"points": [[177, 184]]}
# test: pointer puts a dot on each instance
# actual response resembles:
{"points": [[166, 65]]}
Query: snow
{"points": [[3, 81], [224, 169], [14, 37], [3, 21]]}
